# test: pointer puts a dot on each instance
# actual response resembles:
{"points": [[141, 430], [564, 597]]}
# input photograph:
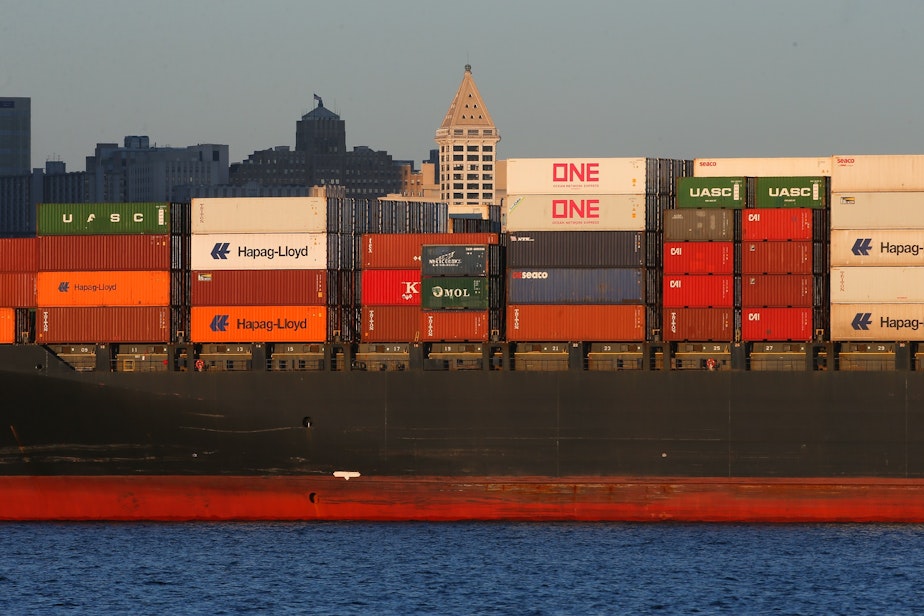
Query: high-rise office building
{"points": [[15, 135]]}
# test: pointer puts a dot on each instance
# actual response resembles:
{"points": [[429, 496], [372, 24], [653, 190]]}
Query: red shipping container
{"points": [[454, 326], [390, 324], [776, 258], [17, 289], [7, 326], [699, 257], [698, 291], [390, 288], [258, 287], [103, 324], [402, 250], [776, 224], [567, 323], [103, 252], [17, 254], [698, 324], [776, 324], [777, 290]]}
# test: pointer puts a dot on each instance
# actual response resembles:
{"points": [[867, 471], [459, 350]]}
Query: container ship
{"points": [[628, 339]]}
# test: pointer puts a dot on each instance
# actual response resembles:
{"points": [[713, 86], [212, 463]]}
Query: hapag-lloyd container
{"points": [[698, 324], [258, 323], [585, 249], [877, 285], [103, 324], [571, 212], [590, 322], [589, 176], [103, 218], [18, 254], [403, 250], [454, 292], [103, 252], [777, 324], [576, 286], [877, 210], [454, 326], [246, 251], [699, 258], [870, 173], [103, 288], [776, 224], [17, 289], [258, 287], [777, 290], [756, 167], [875, 247], [443, 260], [390, 324], [801, 192], [7, 326], [391, 287], [777, 258], [697, 224], [681, 291], [877, 322], [712, 192], [259, 215]]}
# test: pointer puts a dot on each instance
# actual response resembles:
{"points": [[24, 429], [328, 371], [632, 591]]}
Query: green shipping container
{"points": [[103, 218], [803, 192], [454, 292], [712, 192]]}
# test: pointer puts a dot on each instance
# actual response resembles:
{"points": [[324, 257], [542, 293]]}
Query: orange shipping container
{"points": [[128, 288], [7, 325], [590, 323], [258, 323]]}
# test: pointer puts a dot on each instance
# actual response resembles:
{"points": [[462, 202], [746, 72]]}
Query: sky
{"points": [[575, 78]]}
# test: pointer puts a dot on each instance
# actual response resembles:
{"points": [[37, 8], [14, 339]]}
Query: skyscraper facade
{"points": [[15, 135]]}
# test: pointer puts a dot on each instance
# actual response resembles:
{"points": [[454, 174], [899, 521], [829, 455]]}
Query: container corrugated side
{"points": [[103, 218], [698, 324], [103, 252], [443, 260], [682, 291], [454, 326], [54, 325], [590, 176], [877, 322], [258, 287], [877, 210], [391, 287], [246, 251], [7, 326], [777, 258], [699, 258], [454, 292], [17, 289], [877, 285], [756, 167], [574, 213], [585, 249], [403, 250], [777, 290], [777, 224], [696, 224], [712, 192], [258, 323], [868, 173], [591, 323], [390, 324], [801, 192], [576, 286], [103, 288], [259, 215], [874, 247], [18, 254], [777, 324]]}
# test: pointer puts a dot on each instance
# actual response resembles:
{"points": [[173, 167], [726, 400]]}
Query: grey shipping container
{"points": [[576, 286], [696, 224], [576, 249], [448, 260]]}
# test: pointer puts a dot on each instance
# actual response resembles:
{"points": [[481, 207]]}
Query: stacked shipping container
{"points": [[17, 285]]}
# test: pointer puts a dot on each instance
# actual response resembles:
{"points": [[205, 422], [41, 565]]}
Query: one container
{"points": [[756, 167], [891, 247], [777, 257], [104, 288], [698, 324], [685, 225], [454, 292], [103, 252], [258, 287], [698, 291], [699, 258], [777, 224], [800, 192], [777, 290], [243, 251], [586, 249], [576, 286], [259, 215], [712, 192], [103, 218], [17, 289], [103, 324], [591, 323], [574, 212], [877, 210], [258, 323], [877, 322], [391, 287], [454, 326], [390, 324], [17, 254], [403, 250], [454, 260], [869, 173], [877, 285], [776, 324], [7, 326], [589, 176]]}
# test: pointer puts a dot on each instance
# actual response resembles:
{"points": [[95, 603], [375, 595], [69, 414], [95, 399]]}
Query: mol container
{"points": [[778, 257], [103, 218], [7, 326], [454, 326], [800, 192], [454, 292], [17, 289], [879, 285], [588, 176], [776, 324], [890, 247], [871, 173], [591, 323], [391, 287], [779, 224], [259, 215], [104, 288], [877, 322], [574, 213], [64, 325], [877, 210], [103, 252], [757, 167], [404, 250], [696, 225], [576, 286], [586, 249], [245, 251], [258, 324], [712, 192], [453, 260], [698, 324], [681, 290], [777, 290], [699, 258], [258, 287], [18, 254]]}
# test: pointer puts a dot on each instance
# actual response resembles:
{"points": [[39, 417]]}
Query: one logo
{"points": [[862, 246], [219, 323], [220, 250], [64, 287], [862, 320]]}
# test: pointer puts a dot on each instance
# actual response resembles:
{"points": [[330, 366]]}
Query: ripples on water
{"points": [[325, 568]]}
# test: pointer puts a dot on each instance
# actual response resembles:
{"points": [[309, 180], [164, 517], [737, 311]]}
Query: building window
{"points": [[457, 148], [472, 157], [473, 148], [488, 148], [487, 157]]}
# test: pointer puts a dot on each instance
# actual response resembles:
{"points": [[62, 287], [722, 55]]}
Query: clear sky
{"points": [[560, 78]]}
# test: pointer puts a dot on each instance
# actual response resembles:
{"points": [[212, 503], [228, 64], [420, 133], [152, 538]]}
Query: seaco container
{"points": [[756, 167], [777, 224], [801, 192], [453, 260], [454, 292], [390, 324], [895, 247], [259, 215], [18, 254], [240, 251], [103, 252], [17, 289], [454, 326], [391, 288], [699, 258], [686, 225], [586, 249], [403, 250], [712, 192], [7, 326], [103, 324], [258, 323], [777, 258], [777, 290], [877, 210], [258, 287], [574, 212], [103, 218], [104, 288], [871, 173], [680, 291], [698, 324], [576, 286], [877, 285], [877, 322], [587, 176], [776, 324], [590, 322]]}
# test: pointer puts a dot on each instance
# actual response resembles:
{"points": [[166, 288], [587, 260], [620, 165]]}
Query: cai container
{"points": [[877, 285], [403, 250], [7, 326], [776, 324], [877, 247], [757, 167], [699, 258], [777, 290], [698, 291], [103, 288], [791, 191], [390, 324], [712, 192], [240, 251], [573, 212], [776, 224], [777, 257], [391, 287], [18, 254], [589, 176], [576, 286], [698, 224], [17, 289], [698, 324], [453, 260], [258, 323], [454, 326], [871, 173], [877, 322], [259, 215], [103, 252], [877, 210], [585, 249], [454, 293], [591, 323], [63, 325], [103, 218], [258, 287]]}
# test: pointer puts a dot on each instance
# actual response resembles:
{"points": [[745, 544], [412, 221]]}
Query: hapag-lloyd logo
{"points": [[585, 175]]}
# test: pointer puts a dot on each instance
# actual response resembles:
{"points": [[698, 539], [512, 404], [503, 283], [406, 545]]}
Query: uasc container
{"points": [[259, 215], [258, 287], [103, 252], [800, 192], [258, 323], [574, 212], [585, 249], [776, 224], [62, 325], [454, 260], [699, 257], [776, 324], [576, 286], [391, 287], [592, 323], [103, 218], [712, 192], [698, 324]]}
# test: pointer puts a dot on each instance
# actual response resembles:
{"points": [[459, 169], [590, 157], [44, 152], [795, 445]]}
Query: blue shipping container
{"points": [[576, 286]]}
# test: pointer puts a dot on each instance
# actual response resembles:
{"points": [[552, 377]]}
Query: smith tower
{"points": [[467, 141]]}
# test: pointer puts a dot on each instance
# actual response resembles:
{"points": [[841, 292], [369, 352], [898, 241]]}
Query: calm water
{"points": [[460, 569]]}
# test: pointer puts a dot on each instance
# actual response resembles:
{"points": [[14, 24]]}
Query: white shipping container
{"points": [[761, 167], [877, 322], [867, 173], [251, 251], [889, 247], [585, 176], [259, 215], [877, 210], [879, 285], [573, 213]]}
